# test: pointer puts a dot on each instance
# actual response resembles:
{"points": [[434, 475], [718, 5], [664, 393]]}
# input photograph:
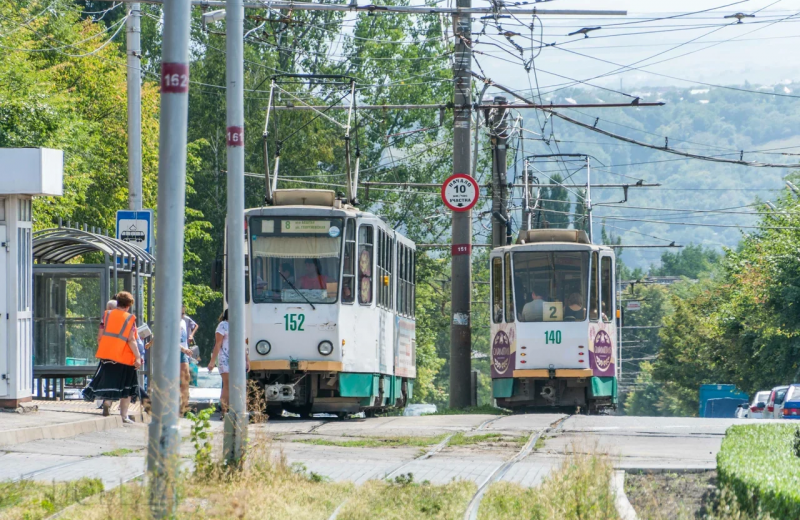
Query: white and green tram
{"points": [[330, 306], [553, 331]]}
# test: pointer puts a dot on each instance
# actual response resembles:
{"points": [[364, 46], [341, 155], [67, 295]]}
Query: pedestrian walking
{"points": [[110, 306], [191, 327], [220, 357], [118, 352], [186, 354]]}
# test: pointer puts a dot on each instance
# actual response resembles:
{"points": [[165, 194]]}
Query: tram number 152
{"points": [[294, 322], [552, 336]]}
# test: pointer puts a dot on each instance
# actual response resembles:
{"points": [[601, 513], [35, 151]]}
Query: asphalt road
{"points": [[633, 442]]}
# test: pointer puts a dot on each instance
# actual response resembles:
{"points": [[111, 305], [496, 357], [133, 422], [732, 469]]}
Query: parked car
{"points": [[206, 393], [415, 410], [791, 405], [774, 407], [756, 408]]}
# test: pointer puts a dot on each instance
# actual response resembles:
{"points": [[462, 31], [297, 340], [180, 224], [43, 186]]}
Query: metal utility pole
{"points": [[236, 419], [461, 263], [588, 200], [163, 457], [498, 135], [134, 51]]}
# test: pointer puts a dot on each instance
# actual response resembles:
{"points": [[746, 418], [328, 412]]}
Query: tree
{"points": [[556, 204], [691, 262]]}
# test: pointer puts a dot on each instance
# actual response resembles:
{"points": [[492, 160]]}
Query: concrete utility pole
{"points": [[588, 200], [134, 51], [461, 264], [162, 448], [498, 130], [236, 419]]}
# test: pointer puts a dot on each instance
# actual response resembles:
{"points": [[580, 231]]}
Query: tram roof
{"points": [[550, 246]]}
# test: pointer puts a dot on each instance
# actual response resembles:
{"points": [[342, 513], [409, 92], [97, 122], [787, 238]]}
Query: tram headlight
{"points": [[263, 347], [325, 348]]}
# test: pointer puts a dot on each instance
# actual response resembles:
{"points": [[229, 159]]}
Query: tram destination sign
{"points": [[460, 192]]}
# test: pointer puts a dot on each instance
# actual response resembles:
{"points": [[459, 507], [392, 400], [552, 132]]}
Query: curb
{"points": [[659, 471], [624, 508], [61, 430]]}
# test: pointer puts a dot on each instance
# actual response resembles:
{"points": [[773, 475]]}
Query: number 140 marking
{"points": [[552, 336]]}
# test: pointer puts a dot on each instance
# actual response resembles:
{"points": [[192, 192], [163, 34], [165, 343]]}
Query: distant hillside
{"points": [[700, 120]]}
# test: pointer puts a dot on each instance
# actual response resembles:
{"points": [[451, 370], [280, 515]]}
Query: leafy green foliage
{"points": [[691, 261], [759, 464], [201, 437]]}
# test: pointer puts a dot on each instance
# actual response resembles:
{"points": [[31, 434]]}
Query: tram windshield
{"points": [[295, 259], [550, 286]]}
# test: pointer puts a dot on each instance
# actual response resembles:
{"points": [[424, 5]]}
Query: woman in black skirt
{"points": [[115, 379]]}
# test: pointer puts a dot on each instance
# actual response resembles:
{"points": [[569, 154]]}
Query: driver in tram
{"points": [[312, 276]]}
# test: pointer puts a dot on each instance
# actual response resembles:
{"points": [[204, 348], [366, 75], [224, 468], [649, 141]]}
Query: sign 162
{"points": [[174, 78]]}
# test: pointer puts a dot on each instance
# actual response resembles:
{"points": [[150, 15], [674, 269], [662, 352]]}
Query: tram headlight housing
{"points": [[263, 347], [325, 348]]}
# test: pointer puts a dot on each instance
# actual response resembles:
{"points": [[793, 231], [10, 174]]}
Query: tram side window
{"points": [[384, 271], [594, 296], [365, 244], [607, 280], [349, 269], [405, 281], [509, 291], [497, 290]]}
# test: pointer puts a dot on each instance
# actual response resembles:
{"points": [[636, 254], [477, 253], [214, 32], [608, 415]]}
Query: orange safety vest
{"points": [[114, 340]]}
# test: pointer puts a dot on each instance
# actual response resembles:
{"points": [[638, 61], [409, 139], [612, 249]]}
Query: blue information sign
{"points": [[136, 227]]}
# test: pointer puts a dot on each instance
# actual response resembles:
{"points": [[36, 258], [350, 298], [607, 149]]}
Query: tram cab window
{"points": [[365, 244], [607, 281], [295, 259], [497, 290], [349, 267], [594, 298], [509, 291], [551, 285]]}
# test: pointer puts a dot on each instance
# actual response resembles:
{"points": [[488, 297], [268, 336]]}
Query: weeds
{"points": [[201, 438], [472, 410], [373, 442], [27, 500], [120, 452], [578, 490]]}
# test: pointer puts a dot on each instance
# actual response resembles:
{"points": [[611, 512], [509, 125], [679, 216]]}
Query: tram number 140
{"points": [[294, 322], [552, 336]]}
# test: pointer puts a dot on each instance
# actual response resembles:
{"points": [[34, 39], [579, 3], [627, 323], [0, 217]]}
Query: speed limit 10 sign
{"points": [[460, 192]]}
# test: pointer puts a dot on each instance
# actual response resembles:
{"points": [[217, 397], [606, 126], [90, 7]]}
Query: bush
{"points": [[758, 463]]}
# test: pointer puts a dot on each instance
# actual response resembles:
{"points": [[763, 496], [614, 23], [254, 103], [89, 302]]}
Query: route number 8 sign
{"points": [[460, 192]]}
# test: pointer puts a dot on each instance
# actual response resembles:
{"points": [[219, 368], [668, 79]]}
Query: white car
{"points": [[206, 393], [415, 410], [756, 408], [774, 408]]}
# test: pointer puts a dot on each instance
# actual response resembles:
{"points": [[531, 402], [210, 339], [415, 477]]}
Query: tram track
{"points": [[472, 509], [428, 454]]}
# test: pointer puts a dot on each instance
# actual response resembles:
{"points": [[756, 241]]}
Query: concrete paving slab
{"points": [[530, 471], [111, 470], [16, 421], [27, 465], [524, 422], [347, 464], [458, 464], [130, 436]]}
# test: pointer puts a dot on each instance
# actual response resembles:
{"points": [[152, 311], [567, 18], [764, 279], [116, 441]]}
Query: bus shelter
{"points": [[75, 273]]}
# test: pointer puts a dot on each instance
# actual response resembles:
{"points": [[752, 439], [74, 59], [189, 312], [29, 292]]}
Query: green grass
{"points": [[461, 439], [472, 410], [376, 442], [760, 463], [27, 500], [119, 452], [578, 490]]}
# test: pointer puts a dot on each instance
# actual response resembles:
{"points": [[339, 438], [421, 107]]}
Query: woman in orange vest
{"points": [[115, 379]]}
